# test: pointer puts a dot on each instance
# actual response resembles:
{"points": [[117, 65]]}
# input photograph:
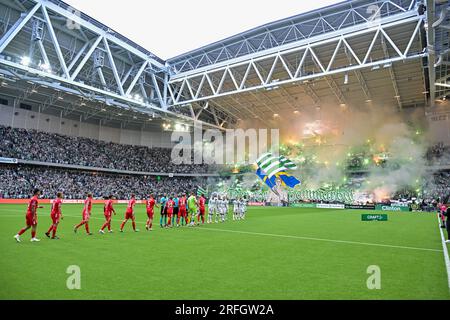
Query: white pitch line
{"points": [[323, 240], [444, 247]]}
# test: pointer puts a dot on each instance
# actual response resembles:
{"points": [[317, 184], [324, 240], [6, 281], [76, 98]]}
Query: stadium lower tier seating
{"points": [[17, 182]]}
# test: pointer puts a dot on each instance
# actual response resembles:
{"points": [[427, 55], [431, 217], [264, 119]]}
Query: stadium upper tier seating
{"points": [[60, 149]]}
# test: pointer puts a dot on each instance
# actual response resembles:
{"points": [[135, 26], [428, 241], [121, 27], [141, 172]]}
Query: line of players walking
{"points": [[175, 211]]}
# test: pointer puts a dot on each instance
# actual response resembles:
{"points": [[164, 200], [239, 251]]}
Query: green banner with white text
{"points": [[382, 207]]}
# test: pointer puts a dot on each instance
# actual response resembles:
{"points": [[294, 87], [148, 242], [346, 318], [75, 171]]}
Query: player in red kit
{"points": [[56, 215], [86, 215], [150, 205], [31, 217], [129, 214], [108, 210], [201, 205], [169, 206], [182, 210]]}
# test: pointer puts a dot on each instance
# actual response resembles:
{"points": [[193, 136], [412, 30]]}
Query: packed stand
{"points": [[17, 182], [437, 186], [60, 149], [438, 155]]}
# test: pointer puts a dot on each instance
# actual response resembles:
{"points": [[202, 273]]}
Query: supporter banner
{"points": [[344, 196], [322, 195], [360, 207], [399, 204], [303, 205], [330, 206], [256, 204], [374, 217], [391, 208]]}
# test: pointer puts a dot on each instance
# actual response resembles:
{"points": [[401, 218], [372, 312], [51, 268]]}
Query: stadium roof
{"points": [[352, 53], [283, 31], [61, 46]]}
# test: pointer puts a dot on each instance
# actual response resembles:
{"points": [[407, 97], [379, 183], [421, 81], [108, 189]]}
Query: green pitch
{"points": [[274, 254]]}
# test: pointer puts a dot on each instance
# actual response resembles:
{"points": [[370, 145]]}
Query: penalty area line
{"points": [[321, 239]]}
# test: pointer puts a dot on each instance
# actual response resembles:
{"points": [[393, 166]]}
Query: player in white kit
{"points": [[218, 215], [236, 209], [212, 207], [227, 205], [222, 208], [243, 208]]}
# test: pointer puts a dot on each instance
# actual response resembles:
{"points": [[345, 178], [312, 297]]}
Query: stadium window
{"points": [[3, 101], [25, 106]]}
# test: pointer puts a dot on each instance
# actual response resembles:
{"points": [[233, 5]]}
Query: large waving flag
{"points": [[201, 191], [271, 183], [270, 168], [287, 163], [270, 164], [288, 180]]}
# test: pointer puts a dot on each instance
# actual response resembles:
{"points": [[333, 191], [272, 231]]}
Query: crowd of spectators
{"points": [[17, 182], [437, 186], [60, 149], [438, 154]]}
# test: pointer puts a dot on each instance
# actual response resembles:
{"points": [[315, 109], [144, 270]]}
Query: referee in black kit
{"points": [[176, 199]]}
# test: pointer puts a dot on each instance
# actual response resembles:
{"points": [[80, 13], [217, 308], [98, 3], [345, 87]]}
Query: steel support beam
{"points": [[309, 27], [430, 18], [183, 83], [86, 58], [113, 67], [393, 77], [136, 78], [55, 43]]}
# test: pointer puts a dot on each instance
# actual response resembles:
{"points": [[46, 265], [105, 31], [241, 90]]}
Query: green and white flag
{"points": [[201, 191], [270, 164], [288, 163]]}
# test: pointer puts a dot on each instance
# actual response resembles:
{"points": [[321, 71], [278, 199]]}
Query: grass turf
{"points": [[276, 253]]}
